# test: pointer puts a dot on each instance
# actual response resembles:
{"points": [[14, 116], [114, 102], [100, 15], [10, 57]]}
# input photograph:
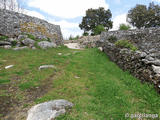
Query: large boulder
{"points": [[28, 42], [46, 44], [48, 110]]}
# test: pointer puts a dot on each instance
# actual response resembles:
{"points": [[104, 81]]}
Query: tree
{"points": [[12, 5], [143, 17], [98, 29], [95, 17], [124, 27]]}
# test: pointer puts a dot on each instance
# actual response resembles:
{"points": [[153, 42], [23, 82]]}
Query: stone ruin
{"points": [[23, 30]]}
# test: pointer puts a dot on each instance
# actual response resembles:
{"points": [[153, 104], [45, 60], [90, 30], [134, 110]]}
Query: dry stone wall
{"points": [[13, 24], [143, 63]]}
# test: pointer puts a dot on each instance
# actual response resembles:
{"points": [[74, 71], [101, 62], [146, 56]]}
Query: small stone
{"points": [[59, 53], [77, 77], [46, 66], [7, 67]]}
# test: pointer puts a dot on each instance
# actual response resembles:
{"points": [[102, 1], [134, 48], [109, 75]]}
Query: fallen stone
{"points": [[46, 66], [10, 66], [46, 44], [20, 48], [28, 42], [49, 110], [73, 45], [77, 77]]}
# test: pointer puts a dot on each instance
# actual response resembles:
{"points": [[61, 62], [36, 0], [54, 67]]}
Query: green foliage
{"points": [[126, 44], [74, 38], [112, 39], [31, 36], [4, 81], [143, 17], [124, 27], [14, 43], [98, 29], [3, 37], [95, 17], [85, 34]]}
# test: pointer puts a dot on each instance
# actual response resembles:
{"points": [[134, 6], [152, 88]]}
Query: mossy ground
{"points": [[99, 89]]}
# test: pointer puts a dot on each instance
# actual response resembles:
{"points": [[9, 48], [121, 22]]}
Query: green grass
{"points": [[99, 89]]}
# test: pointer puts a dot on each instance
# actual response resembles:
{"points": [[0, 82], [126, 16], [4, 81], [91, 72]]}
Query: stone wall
{"points": [[13, 24], [143, 63]]}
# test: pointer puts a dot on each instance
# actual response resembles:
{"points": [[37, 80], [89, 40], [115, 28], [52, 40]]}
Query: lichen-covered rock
{"points": [[46, 44], [28, 42], [20, 48], [49, 110]]}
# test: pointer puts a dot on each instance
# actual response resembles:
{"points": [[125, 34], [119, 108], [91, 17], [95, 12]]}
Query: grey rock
{"points": [[20, 48], [156, 69], [28, 42], [48, 110], [22, 37], [100, 48], [148, 57], [4, 43], [15, 24], [9, 66], [7, 46], [46, 44], [46, 66]]}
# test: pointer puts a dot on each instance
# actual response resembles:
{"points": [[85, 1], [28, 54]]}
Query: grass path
{"points": [[98, 88], [102, 91]]}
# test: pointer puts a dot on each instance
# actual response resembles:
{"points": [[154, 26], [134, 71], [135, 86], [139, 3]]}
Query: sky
{"points": [[69, 13]]}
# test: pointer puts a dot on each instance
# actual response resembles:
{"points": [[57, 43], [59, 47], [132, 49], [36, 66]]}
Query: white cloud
{"points": [[119, 20], [67, 8], [34, 14], [68, 28]]}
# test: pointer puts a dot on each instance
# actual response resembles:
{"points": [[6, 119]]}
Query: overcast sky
{"points": [[68, 13]]}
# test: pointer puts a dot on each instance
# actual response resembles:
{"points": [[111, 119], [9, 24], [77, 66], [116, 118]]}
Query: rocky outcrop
{"points": [[48, 110], [14, 24]]}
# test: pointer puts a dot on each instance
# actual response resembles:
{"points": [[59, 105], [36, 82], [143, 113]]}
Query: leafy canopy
{"points": [[95, 17], [142, 16], [124, 27]]}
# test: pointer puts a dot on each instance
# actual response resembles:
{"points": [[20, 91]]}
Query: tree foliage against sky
{"points": [[95, 17], [142, 16]]}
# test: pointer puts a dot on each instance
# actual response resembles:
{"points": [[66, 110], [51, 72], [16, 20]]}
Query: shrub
{"points": [[85, 34], [14, 43], [112, 39], [3, 37], [74, 38], [31, 36], [124, 27], [126, 44], [98, 29]]}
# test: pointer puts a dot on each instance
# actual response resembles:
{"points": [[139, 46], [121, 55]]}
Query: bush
{"points": [[98, 29], [14, 43], [74, 38], [126, 44], [31, 36], [112, 39], [3, 37], [124, 27], [85, 34]]}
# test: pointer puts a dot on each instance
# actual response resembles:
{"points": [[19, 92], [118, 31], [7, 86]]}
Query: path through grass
{"points": [[96, 86]]}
